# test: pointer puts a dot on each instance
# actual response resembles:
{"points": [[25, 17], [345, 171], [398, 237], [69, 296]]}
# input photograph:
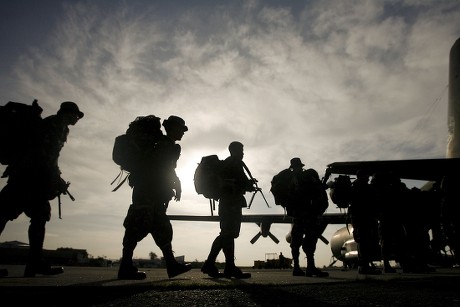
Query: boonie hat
{"points": [[71, 107], [295, 162], [175, 120]]}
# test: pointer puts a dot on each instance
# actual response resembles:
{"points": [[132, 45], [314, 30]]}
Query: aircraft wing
{"points": [[264, 221], [418, 169], [329, 218], [250, 218]]}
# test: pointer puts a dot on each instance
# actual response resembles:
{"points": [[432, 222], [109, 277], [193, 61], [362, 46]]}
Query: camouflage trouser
{"points": [[141, 221], [305, 232], [147, 215], [230, 215], [15, 200]]}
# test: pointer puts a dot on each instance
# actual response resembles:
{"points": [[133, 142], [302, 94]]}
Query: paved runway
{"points": [[90, 286]]}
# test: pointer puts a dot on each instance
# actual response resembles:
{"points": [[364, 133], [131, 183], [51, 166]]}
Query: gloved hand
{"points": [[63, 186], [252, 185], [178, 195]]}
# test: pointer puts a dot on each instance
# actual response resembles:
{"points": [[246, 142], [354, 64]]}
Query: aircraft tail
{"points": [[453, 116]]}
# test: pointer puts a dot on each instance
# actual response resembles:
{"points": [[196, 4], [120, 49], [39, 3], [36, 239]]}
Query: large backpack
{"points": [[207, 178], [281, 188], [130, 148], [317, 191], [291, 191], [19, 123], [340, 191]]}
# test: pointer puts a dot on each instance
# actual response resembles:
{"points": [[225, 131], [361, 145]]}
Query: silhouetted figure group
{"points": [[382, 211], [392, 222]]}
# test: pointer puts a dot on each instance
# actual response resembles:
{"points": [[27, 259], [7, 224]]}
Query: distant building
{"points": [[15, 252]]}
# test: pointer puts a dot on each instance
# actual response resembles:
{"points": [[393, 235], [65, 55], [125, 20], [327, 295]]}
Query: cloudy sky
{"points": [[322, 80]]}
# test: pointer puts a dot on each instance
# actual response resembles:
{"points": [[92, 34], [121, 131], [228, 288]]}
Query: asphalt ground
{"points": [[91, 286]]}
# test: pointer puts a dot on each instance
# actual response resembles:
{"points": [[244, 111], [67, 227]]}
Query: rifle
{"points": [[257, 189], [66, 192]]}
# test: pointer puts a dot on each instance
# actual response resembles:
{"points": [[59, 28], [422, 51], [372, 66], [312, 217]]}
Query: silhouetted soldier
{"points": [[154, 184], [363, 216], [231, 202], [391, 197], [421, 212], [34, 180], [310, 199], [450, 213], [281, 261]]}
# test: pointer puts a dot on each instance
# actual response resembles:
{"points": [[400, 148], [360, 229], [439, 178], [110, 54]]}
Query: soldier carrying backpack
{"points": [[287, 188], [305, 199], [34, 177], [235, 184], [154, 182]]}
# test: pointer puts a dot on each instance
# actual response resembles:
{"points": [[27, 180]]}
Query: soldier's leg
{"points": [[173, 267], [309, 247], [135, 230], [365, 252], [3, 221], [127, 269], [296, 242], [39, 213], [10, 206], [230, 230], [129, 244], [231, 270], [209, 267], [35, 263], [216, 247], [228, 247], [162, 233], [36, 239], [9, 210]]}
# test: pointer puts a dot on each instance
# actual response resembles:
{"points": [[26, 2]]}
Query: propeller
{"points": [[264, 232], [256, 237], [275, 239]]}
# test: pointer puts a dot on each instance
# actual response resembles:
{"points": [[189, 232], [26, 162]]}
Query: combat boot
{"points": [[315, 272], [41, 268], [176, 268], [130, 272], [233, 271], [211, 269]]}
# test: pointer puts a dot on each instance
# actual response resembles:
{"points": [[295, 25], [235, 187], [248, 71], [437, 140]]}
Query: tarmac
{"points": [[96, 286]]}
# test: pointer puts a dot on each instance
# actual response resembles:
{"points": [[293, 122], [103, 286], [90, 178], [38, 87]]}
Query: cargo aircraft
{"points": [[432, 171], [342, 244]]}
